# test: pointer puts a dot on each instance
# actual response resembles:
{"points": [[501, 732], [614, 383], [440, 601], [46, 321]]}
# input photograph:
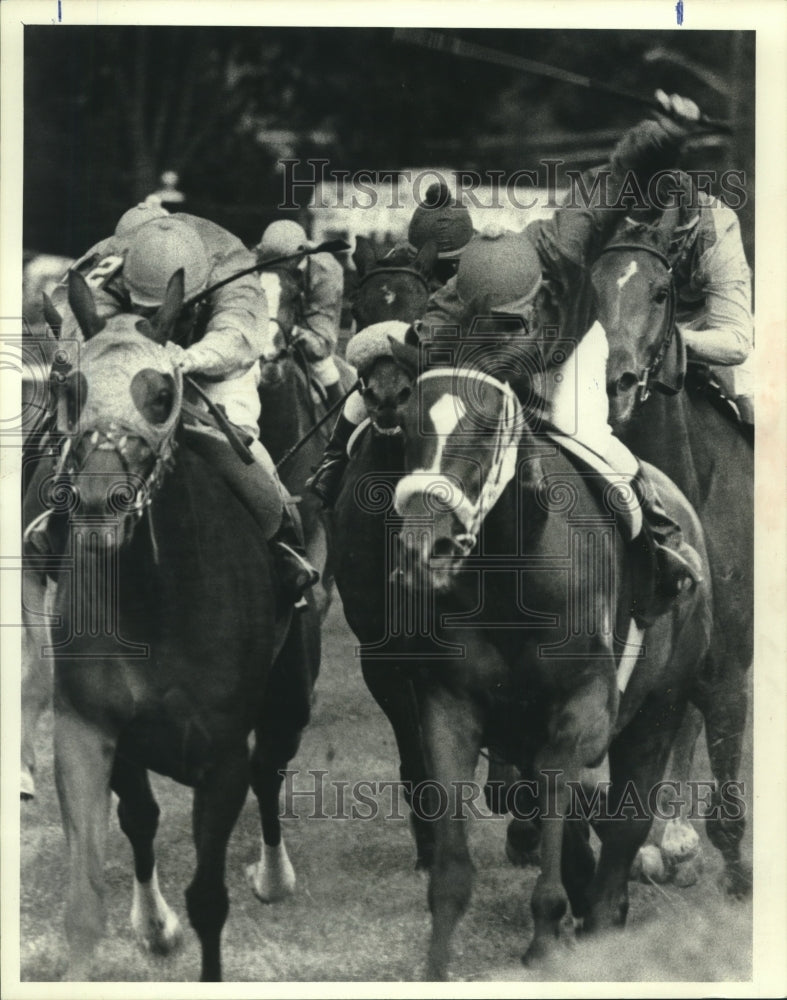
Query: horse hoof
{"points": [[648, 865], [159, 935], [680, 842], [537, 954], [155, 924], [686, 873], [272, 878]]}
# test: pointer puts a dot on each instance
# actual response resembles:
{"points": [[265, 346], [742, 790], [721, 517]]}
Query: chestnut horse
{"points": [[169, 650]]}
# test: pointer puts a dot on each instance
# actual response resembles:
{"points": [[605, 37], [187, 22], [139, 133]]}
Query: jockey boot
{"points": [[678, 564], [327, 479], [294, 571]]}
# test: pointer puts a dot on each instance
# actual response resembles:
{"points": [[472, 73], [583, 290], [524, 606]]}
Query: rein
{"points": [[652, 369]]}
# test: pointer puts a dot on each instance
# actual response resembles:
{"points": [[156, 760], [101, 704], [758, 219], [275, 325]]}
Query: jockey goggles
{"points": [[109, 361]]}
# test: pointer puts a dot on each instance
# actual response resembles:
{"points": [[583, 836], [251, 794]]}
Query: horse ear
{"points": [[406, 356], [363, 257], [426, 258], [53, 318], [170, 308], [80, 298], [411, 336]]}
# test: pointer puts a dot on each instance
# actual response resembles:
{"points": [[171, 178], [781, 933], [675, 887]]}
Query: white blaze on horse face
{"points": [[271, 285], [630, 271], [445, 415], [388, 295]]}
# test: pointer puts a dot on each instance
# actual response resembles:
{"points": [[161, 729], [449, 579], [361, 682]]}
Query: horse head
{"points": [[462, 431], [117, 412], [635, 301], [284, 295], [394, 288]]}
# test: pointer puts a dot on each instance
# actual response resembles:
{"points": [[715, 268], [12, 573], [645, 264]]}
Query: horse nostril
{"points": [[442, 547]]}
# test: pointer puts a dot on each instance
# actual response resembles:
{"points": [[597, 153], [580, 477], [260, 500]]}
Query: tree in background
{"points": [[108, 108]]}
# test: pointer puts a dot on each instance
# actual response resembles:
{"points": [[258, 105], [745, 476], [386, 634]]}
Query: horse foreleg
{"points": [[394, 693], [452, 737], [579, 733], [218, 800], [286, 712], [272, 877], [155, 924], [83, 763]]}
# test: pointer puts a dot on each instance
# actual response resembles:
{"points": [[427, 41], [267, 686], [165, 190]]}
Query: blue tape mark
{"points": [[678, 11], [59, 11]]}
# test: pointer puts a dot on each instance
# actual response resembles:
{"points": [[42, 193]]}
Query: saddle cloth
{"points": [[612, 486]]}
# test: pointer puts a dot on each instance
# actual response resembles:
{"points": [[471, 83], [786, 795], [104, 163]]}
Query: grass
{"points": [[360, 912]]}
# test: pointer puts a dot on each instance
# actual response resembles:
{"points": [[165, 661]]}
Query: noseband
{"points": [[646, 376]]}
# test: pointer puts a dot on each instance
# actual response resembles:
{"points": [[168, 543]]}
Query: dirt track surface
{"points": [[359, 912]]}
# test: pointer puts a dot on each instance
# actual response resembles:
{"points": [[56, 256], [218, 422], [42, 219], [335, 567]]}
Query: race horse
{"points": [[525, 573], [171, 646], [392, 290], [293, 404], [686, 428]]}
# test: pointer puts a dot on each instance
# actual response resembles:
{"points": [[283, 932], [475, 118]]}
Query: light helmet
{"points": [[138, 216], [158, 250], [444, 221], [281, 239], [504, 273]]}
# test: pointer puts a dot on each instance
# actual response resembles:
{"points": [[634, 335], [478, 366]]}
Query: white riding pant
{"points": [[577, 403]]}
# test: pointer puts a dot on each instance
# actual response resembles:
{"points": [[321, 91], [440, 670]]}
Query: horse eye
{"points": [[370, 396], [404, 394], [660, 295]]}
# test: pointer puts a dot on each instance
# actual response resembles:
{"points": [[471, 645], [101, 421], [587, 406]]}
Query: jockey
{"points": [[322, 280], [446, 223], [222, 334], [711, 275]]}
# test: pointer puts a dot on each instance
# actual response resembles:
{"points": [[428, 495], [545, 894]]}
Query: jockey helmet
{"points": [[443, 220], [158, 250], [138, 216], [282, 238], [505, 273]]}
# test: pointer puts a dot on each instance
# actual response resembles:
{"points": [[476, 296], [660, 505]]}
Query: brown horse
{"points": [[526, 586], [391, 288], [169, 650], [364, 521], [687, 430]]}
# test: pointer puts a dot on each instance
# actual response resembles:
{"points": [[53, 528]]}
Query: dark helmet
{"points": [[505, 272], [443, 220]]}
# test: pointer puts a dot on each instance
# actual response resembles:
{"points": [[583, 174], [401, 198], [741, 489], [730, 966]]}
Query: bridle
{"points": [[135, 496], [377, 270], [505, 443], [646, 376]]}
